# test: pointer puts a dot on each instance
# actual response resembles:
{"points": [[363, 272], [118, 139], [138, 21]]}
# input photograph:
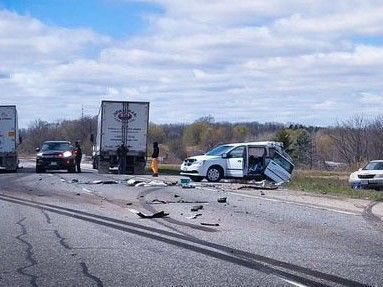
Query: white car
{"points": [[253, 160], [370, 176]]}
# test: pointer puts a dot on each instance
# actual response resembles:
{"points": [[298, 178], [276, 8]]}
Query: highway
{"points": [[65, 229]]}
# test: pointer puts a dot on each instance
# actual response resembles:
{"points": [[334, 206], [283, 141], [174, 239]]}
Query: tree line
{"points": [[347, 144]]}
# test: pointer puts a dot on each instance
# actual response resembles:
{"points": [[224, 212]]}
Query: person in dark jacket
{"points": [[78, 156], [154, 163], [122, 161]]}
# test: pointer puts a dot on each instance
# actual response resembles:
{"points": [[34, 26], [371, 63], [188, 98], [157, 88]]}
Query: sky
{"points": [[313, 62]]}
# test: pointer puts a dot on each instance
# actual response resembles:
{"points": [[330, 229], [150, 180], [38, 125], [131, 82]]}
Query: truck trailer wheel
{"points": [[214, 174]]}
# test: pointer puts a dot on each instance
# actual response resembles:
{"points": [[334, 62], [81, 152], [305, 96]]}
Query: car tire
{"points": [[196, 178], [40, 169], [95, 163], [214, 174], [72, 169]]}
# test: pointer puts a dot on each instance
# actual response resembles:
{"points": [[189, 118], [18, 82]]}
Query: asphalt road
{"points": [[61, 229]]}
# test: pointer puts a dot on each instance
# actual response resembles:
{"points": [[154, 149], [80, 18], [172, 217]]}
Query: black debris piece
{"points": [[75, 180], [222, 200], [77, 193], [176, 195], [196, 207], [159, 214], [129, 203], [209, 224]]}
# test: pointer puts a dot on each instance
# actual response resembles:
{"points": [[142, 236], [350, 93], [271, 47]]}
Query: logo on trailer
{"points": [[125, 116]]}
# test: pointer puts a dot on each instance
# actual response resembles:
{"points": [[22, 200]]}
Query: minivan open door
{"points": [[279, 168]]}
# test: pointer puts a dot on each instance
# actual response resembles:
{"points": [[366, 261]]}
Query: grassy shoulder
{"points": [[334, 183]]}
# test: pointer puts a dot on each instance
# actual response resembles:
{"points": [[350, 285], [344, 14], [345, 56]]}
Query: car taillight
{"points": [[61, 155]]}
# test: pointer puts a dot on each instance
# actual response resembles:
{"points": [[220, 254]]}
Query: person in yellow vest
{"points": [[154, 163]]}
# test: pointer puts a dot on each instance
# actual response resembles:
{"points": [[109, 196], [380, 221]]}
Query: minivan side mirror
{"points": [[37, 149], [224, 155]]}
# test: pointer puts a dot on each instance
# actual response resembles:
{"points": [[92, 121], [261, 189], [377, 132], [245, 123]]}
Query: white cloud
{"points": [[289, 61]]}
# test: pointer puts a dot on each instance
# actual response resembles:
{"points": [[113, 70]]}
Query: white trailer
{"points": [[121, 122], [9, 138]]}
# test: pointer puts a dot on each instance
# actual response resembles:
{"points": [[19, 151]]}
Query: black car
{"points": [[55, 155]]}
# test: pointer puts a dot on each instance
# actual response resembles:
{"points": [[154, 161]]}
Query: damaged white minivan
{"points": [[252, 160]]}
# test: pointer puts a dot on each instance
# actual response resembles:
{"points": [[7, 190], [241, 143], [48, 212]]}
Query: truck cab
{"points": [[252, 160]]}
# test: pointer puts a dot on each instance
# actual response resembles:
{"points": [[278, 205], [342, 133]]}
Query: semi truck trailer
{"points": [[121, 122], [9, 138]]}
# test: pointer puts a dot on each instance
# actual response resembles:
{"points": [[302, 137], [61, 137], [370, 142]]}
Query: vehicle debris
{"points": [[151, 183], [158, 201], [196, 207], [74, 180], [222, 199], [105, 182], [195, 216], [140, 184], [159, 214], [209, 224]]}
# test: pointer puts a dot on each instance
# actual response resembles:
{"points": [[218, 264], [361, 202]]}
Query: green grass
{"points": [[334, 183]]}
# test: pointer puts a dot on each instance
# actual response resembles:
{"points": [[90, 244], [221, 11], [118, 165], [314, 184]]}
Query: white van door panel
{"points": [[235, 162], [276, 172], [235, 167]]}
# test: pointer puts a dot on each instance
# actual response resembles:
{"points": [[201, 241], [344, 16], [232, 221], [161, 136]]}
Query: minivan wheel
{"points": [[214, 174]]}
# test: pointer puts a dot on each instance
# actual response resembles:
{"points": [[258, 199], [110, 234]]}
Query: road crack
{"points": [[61, 240], [46, 216], [85, 271], [29, 255]]}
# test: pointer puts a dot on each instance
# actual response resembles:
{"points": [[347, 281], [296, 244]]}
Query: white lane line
{"points": [[87, 190], [292, 282], [297, 203]]}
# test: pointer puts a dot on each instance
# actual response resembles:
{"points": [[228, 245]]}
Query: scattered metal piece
{"points": [[195, 216], [222, 199], [140, 184], [132, 182], [159, 201], [196, 207], [157, 183]]}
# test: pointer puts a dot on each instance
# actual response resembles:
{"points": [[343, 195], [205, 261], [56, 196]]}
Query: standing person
{"points": [[121, 155], [78, 156], [154, 163]]}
